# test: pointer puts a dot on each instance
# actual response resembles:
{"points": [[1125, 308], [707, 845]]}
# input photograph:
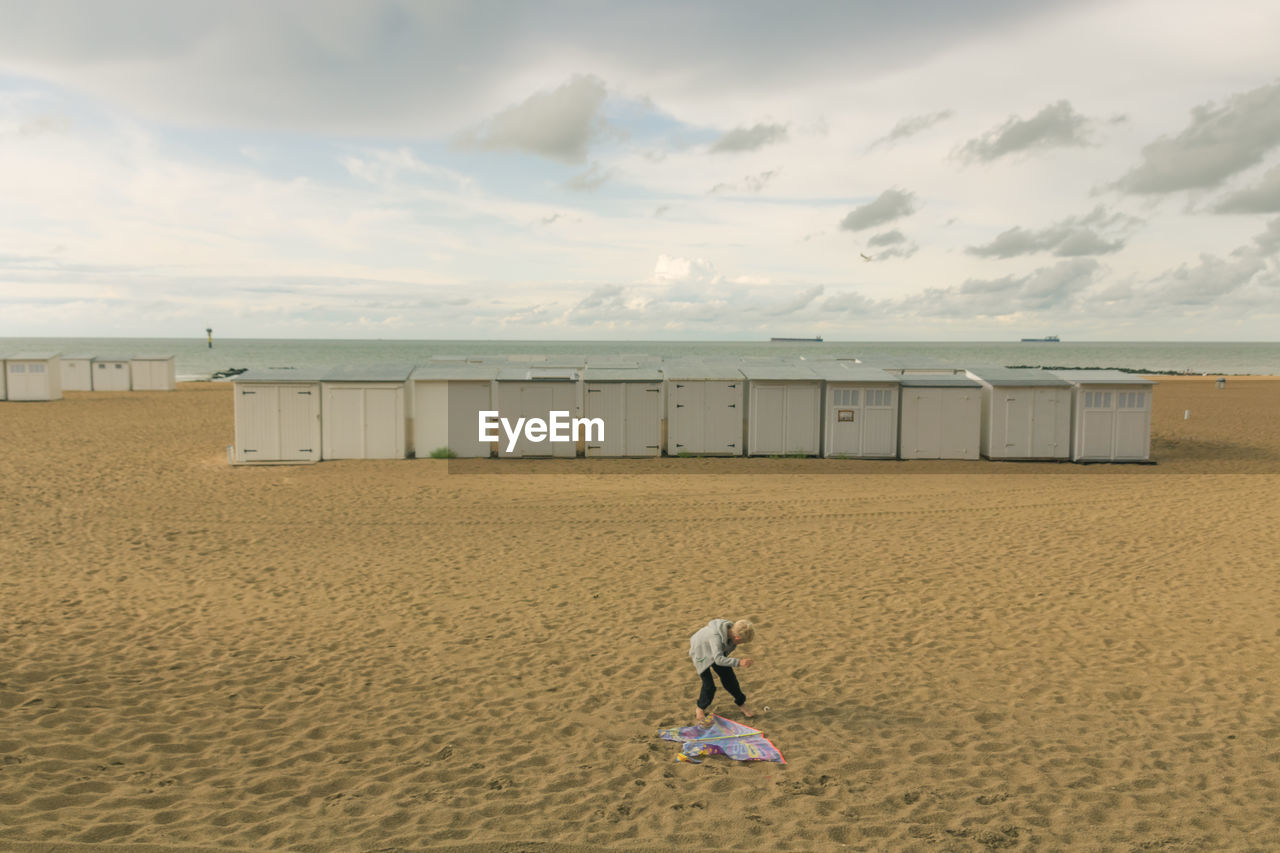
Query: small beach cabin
{"points": [[1026, 413], [784, 408], [152, 373], [77, 373], [277, 416], [110, 373], [534, 393], [364, 412], [1110, 415], [941, 416], [33, 376], [627, 398], [860, 411], [704, 407], [448, 397]]}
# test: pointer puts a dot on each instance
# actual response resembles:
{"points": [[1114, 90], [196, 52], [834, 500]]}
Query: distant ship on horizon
{"points": [[1047, 339], [815, 340]]}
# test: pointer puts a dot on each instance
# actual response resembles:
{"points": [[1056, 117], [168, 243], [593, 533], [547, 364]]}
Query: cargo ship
{"points": [[1047, 339], [816, 340]]}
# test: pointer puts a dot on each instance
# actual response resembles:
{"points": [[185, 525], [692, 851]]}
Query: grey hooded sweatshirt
{"points": [[712, 645]]}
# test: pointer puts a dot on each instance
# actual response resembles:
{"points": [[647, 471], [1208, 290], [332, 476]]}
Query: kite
{"points": [[723, 737]]}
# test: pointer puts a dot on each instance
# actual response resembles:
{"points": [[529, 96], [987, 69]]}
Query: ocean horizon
{"points": [[195, 360]]}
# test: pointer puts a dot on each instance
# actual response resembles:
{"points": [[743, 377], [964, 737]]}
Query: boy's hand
{"points": [[744, 662]]}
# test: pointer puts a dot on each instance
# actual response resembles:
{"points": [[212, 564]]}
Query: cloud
{"points": [[1057, 125], [593, 178], [796, 303], [910, 126], [558, 124], [1264, 197], [1072, 237], [891, 244], [1219, 142], [1048, 288], [750, 183], [749, 138], [889, 205]]}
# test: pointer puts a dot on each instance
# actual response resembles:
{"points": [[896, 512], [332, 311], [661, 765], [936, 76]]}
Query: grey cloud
{"points": [[593, 178], [1264, 197], [1048, 288], [558, 124], [799, 301], [912, 125], [1057, 125], [750, 183], [749, 138], [888, 238], [889, 205], [890, 245], [1219, 142], [1072, 237]]}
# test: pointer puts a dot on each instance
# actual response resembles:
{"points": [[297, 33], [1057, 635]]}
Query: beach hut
{"points": [[627, 398], [1026, 413], [447, 400], [77, 373], [534, 393], [277, 416], [704, 407], [152, 373], [861, 411], [784, 408], [33, 376], [941, 416], [1110, 415], [364, 413], [110, 373]]}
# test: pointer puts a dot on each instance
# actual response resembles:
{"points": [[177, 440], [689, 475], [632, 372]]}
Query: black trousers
{"points": [[728, 678]]}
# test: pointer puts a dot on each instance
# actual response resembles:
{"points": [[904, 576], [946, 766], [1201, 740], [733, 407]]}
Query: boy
{"points": [[709, 648]]}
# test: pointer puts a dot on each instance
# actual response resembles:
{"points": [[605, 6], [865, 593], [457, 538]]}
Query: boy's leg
{"points": [[706, 695], [730, 681]]}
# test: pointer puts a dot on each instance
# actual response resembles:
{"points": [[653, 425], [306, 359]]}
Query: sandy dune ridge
{"points": [[381, 655]]}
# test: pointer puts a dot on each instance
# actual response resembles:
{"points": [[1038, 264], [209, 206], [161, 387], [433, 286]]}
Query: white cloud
{"points": [[558, 124]]}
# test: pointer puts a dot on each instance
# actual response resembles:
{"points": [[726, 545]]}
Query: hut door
{"points": [[258, 423], [1017, 424], [299, 414], [769, 419], [924, 439], [608, 401], [845, 422], [643, 419], [1050, 423], [880, 423]]}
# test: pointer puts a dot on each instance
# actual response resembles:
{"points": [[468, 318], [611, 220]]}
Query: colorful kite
{"points": [[723, 737]]}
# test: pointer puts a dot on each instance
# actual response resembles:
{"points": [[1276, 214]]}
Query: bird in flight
{"points": [[865, 257]]}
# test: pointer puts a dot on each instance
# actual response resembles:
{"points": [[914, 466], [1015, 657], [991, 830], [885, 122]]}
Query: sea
{"points": [[195, 360]]}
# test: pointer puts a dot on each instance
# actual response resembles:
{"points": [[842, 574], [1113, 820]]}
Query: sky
{"points": [[561, 170]]}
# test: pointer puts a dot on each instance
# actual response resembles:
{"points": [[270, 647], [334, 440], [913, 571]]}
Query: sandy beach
{"points": [[384, 655]]}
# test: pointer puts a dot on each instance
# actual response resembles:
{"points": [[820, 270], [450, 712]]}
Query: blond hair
{"points": [[745, 631]]}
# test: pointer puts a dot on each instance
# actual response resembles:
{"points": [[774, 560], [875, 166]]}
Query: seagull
{"points": [[865, 257]]}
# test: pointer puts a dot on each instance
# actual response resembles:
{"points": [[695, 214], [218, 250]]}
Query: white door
{"points": [[383, 426], [643, 419], [768, 419], [299, 422], [1050, 423], [1133, 425], [803, 410], [608, 401], [722, 425], [879, 422], [685, 417], [344, 423], [922, 425], [466, 401], [960, 424], [257, 423], [844, 424], [1016, 424]]}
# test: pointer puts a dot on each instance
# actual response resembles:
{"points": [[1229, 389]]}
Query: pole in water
{"points": [[210, 333]]}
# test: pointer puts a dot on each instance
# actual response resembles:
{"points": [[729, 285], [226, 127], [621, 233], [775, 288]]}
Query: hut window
{"points": [[102, 367], [17, 368], [1097, 399], [119, 367], [880, 397], [846, 397], [37, 368], [1131, 399]]}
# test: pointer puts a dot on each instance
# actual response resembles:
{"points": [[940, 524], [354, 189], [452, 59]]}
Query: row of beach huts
{"points": [[697, 407], [27, 376]]}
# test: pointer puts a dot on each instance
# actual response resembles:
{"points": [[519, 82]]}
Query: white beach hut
{"points": [[110, 373], [152, 373], [1026, 413], [534, 393], [704, 407], [627, 398], [941, 417], [77, 373], [277, 416], [364, 412], [860, 411], [33, 376], [448, 397], [1110, 415], [784, 408]]}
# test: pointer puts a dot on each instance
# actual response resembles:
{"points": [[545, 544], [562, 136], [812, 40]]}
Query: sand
{"points": [[383, 655]]}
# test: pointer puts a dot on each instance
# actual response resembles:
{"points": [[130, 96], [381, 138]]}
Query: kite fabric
{"points": [[724, 737]]}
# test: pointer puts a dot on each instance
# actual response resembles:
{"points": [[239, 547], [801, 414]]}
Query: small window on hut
{"points": [[17, 368]]}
